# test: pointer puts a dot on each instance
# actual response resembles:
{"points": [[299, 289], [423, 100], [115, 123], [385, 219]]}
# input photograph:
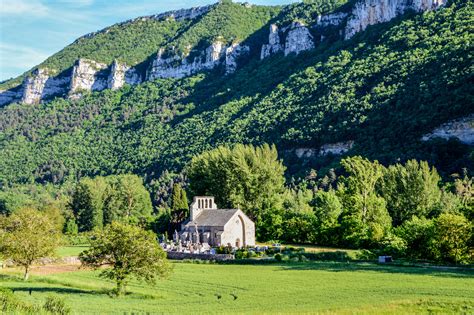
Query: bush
{"points": [[278, 257], [9, 303], [393, 245], [56, 305], [452, 234]]}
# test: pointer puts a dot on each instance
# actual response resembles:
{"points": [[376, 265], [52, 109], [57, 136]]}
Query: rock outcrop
{"points": [[336, 148], [121, 74], [88, 75], [370, 12], [331, 19], [274, 45], [461, 129], [33, 86], [232, 54], [178, 67], [299, 39]]}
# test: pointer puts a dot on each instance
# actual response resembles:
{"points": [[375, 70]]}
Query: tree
{"points": [[88, 203], [452, 234], [327, 209], [410, 189], [366, 219], [102, 200], [126, 200], [243, 176], [179, 205], [465, 191], [127, 251], [26, 236]]}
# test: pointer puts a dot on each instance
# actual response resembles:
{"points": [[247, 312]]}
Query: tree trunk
{"points": [[27, 273], [120, 287]]}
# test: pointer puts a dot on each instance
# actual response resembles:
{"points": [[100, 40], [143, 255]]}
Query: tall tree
{"points": [[410, 189], [127, 252], [452, 234], [242, 176], [179, 205], [26, 236], [88, 203], [366, 219], [127, 200]]}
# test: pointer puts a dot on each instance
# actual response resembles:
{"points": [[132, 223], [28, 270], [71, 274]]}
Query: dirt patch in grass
{"points": [[53, 269]]}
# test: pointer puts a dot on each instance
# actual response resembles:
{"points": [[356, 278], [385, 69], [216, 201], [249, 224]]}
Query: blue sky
{"points": [[32, 30]]}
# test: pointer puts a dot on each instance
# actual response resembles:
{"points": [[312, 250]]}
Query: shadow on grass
{"points": [[450, 272], [33, 290]]}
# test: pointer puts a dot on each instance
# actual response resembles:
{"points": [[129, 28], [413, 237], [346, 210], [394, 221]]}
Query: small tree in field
{"points": [[127, 251], [26, 236]]}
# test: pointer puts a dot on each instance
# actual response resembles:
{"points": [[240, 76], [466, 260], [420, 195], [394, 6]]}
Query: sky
{"points": [[32, 30]]}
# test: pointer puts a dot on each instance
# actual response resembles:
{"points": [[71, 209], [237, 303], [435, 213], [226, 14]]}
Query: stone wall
{"points": [[217, 257]]}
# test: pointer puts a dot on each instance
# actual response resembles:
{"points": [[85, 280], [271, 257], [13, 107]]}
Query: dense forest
{"points": [[383, 89]]}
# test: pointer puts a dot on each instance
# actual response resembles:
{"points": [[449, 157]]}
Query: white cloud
{"points": [[23, 7], [15, 59]]}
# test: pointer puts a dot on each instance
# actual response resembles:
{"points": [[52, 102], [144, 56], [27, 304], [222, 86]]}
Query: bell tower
{"points": [[201, 203]]}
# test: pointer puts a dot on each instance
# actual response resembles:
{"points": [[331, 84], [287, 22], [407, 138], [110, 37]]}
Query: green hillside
{"points": [[383, 89]]}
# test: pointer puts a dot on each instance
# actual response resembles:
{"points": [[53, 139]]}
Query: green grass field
{"points": [[316, 287], [68, 251]]}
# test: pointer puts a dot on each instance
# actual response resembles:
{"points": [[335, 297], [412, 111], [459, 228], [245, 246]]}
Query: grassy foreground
{"points": [[317, 287]]}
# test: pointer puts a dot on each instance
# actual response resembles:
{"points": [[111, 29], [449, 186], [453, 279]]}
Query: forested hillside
{"points": [[383, 89]]}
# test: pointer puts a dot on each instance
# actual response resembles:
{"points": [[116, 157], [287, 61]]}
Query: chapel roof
{"points": [[213, 217]]}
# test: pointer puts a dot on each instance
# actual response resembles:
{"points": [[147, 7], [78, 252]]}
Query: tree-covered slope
{"points": [[383, 89]]}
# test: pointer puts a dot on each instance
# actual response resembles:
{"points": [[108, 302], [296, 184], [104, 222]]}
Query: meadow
{"points": [[311, 287]]}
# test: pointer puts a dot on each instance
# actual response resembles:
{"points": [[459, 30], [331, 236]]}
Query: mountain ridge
{"points": [[376, 94]]}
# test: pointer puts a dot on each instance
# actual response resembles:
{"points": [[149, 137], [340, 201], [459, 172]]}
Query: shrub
{"points": [[278, 257], [393, 245], [56, 305], [10, 304], [452, 234]]}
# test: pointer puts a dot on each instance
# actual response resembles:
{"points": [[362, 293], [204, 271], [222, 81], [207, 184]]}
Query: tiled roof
{"points": [[213, 217]]}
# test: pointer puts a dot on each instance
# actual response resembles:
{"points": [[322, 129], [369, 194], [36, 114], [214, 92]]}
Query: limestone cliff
{"points": [[338, 148], [370, 12], [298, 39], [33, 86], [176, 66], [274, 46], [461, 129], [87, 75], [121, 74], [232, 54], [291, 38]]}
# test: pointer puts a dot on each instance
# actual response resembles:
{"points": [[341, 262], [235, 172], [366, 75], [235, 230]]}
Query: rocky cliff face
{"points": [[33, 86], [338, 148], [274, 46], [298, 39], [232, 54], [87, 75], [331, 19], [121, 74], [461, 129], [370, 12], [178, 67]]}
